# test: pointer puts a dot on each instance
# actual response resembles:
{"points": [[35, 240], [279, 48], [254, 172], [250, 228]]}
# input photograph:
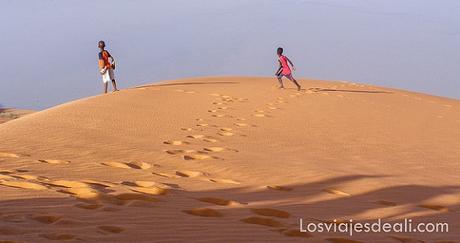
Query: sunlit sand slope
{"points": [[230, 159]]}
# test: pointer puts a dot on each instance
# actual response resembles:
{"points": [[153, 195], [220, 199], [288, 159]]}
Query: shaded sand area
{"points": [[7, 114], [230, 159]]}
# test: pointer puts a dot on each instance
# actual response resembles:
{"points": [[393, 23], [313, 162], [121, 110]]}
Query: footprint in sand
{"points": [[336, 192], [259, 115], [203, 138], [210, 140], [176, 142], [111, 229], [166, 175], [198, 157], [218, 201], [223, 181], [270, 212], [279, 188], [186, 129], [30, 177], [262, 221], [214, 149], [226, 129], [6, 172], [57, 237], [202, 125], [272, 108], [46, 219], [191, 174], [68, 184], [9, 155], [386, 203], [196, 136], [116, 164], [219, 115], [435, 207], [124, 198], [81, 192], [54, 161], [180, 151], [6, 177], [226, 134], [129, 165], [204, 212], [153, 190], [140, 183], [151, 184], [99, 183], [23, 185], [238, 124]]}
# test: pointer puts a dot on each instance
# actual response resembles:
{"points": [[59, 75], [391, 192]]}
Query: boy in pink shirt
{"points": [[284, 69]]}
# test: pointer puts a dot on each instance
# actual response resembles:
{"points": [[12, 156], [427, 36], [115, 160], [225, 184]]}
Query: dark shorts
{"points": [[288, 76]]}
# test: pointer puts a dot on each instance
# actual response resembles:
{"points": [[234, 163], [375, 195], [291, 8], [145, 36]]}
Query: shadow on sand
{"points": [[230, 214]]}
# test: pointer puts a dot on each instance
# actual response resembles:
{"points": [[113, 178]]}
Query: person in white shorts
{"points": [[106, 67]]}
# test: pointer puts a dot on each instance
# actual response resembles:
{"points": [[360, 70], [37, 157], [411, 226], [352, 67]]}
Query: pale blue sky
{"points": [[49, 47]]}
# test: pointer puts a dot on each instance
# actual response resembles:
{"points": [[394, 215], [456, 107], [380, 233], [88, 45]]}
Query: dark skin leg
{"points": [[295, 82], [298, 85], [114, 84], [281, 83], [105, 87]]}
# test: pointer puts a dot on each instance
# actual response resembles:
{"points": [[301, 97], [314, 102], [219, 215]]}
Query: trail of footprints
{"points": [[97, 194], [263, 216]]}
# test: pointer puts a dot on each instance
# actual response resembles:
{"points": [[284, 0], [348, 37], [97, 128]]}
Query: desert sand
{"points": [[230, 159], [8, 114]]}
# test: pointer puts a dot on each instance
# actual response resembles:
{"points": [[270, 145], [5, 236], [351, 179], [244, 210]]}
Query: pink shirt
{"points": [[284, 63]]}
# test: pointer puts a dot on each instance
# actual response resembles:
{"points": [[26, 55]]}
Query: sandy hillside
{"points": [[230, 160], [7, 114]]}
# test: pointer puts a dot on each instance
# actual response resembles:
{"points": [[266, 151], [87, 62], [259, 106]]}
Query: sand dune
{"points": [[7, 114], [230, 159]]}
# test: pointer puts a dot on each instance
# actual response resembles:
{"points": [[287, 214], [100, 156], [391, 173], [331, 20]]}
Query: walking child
{"points": [[106, 67], [284, 70]]}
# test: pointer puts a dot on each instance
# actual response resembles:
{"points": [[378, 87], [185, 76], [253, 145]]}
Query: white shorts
{"points": [[108, 76]]}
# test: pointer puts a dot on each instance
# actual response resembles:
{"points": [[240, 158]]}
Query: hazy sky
{"points": [[48, 48]]}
